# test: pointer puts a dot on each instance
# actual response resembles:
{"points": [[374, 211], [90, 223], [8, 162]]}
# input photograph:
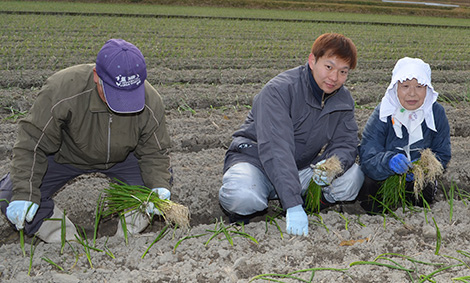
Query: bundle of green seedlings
{"points": [[122, 198], [332, 166], [392, 192]]}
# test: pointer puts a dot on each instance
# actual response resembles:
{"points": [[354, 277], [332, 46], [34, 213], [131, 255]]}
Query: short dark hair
{"points": [[334, 44]]}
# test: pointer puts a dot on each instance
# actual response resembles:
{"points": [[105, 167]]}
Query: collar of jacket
{"points": [[96, 104], [339, 99], [317, 91]]}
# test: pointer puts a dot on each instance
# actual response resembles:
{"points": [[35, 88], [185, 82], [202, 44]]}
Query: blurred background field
{"points": [[201, 45]]}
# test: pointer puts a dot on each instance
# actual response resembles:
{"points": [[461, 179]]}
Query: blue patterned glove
{"points": [[297, 221], [162, 194], [399, 164], [20, 210]]}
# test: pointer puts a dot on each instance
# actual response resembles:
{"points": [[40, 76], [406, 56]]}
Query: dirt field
{"points": [[202, 112]]}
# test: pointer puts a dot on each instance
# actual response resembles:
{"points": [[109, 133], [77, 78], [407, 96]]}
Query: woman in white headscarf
{"points": [[408, 120]]}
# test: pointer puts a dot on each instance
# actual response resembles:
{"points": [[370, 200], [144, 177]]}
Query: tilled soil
{"points": [[202, 114]]}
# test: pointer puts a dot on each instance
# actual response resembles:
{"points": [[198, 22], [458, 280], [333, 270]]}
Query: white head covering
{"points": [[407, 69]]}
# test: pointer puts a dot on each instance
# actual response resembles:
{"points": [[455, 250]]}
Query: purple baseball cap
{"points": [[122, 71]]}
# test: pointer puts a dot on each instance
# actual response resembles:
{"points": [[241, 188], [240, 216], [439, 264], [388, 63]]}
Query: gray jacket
{"points": [[291, 125]]}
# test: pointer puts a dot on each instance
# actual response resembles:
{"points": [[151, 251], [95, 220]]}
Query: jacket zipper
{"points": [[323, 99], [109, 138]]}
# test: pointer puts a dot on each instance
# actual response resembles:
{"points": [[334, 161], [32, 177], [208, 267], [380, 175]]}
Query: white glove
{"points": [[320, 176], [20, 210], [162, 194], [297, 221]]}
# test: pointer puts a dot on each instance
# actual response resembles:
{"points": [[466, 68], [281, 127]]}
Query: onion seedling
{"points": [[158, 238], [48, 260], [122, 198], [220, 228], [290, 275], [392, 193], [332, 167], [272, 220]]}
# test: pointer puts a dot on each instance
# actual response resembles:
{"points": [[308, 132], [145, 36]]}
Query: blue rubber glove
{"points": [[320, 176], [410, 177], [20, 210], [297, 221], [399, 164], [162, 194]]}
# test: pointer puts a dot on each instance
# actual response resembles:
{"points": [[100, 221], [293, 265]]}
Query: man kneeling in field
{"points": [[299, 119], [102, 117]]}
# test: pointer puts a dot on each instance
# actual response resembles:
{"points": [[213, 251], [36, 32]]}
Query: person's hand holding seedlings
{"points": [[164, 194], [320, 176], [400, 164]]}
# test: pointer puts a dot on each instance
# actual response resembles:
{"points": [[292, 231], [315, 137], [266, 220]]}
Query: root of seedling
{"points": [[332, 166], [426, 170], [177, 214]]}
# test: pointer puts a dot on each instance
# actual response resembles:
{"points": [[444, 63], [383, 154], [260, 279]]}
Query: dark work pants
{"points": [[370, 188], [57, 175]]}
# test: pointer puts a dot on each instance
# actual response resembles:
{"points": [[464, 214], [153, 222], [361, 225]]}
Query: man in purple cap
{"points": [[102, 117]]}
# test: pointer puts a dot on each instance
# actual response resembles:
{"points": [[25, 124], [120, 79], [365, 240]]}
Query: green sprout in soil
{"points": [[462, 279], [346, 224], [62, 230], [332, 167], [122, 220], [438, 237], [464, 253], [393, 264], [387, 208], [186, 238], [83, 240], [98, 213], [76, 253], [185, 107], [107, 250], [290, 275], [158, 238], [425, 278], [48, 260], [463, 196], [15, 114], [22, 242], [22, 236], [228, 232], [358, 220], [450, 199], [320, 222], [31, 255], [272, 220]]}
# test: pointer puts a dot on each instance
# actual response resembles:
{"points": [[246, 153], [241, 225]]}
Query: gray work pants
{"points": [[57, 175], [246, 189]]}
